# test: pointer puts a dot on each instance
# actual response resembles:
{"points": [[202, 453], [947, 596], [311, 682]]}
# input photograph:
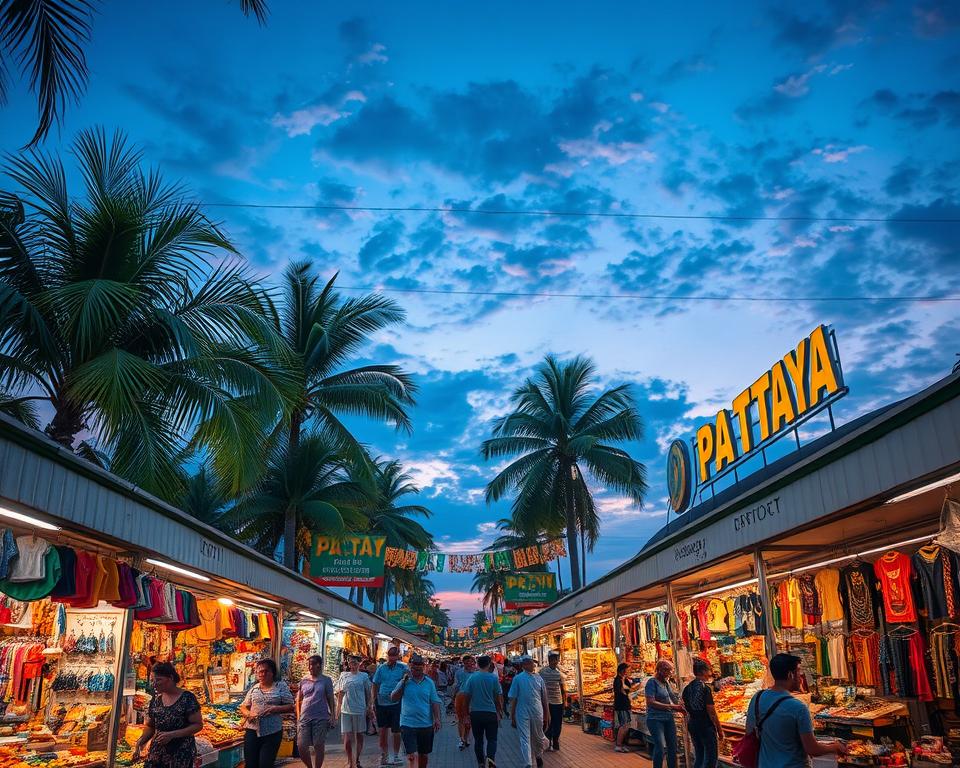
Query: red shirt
{"points": [[893, 571]]}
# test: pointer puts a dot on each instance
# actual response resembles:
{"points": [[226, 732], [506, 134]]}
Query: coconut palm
{"points": [[558, 428], [491, 585], [44, 40], [388, 517], [326, 332], [309, 483], [120, 315], [205, 500], [480, 620]]}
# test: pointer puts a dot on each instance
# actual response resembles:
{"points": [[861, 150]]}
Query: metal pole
{"points": [[768, 633], [673, 629], [278, 641], [583, 718], [120, 675], [617, 637]]}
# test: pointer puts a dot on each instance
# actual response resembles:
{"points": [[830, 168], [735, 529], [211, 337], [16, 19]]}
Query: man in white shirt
{"points": [[529, 712]]}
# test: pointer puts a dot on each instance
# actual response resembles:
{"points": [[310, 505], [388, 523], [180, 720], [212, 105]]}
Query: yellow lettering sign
{"points": [[823, 376], [782, 410], [705, 450], [725, 452]]}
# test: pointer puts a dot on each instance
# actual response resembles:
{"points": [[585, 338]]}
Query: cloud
{"points": [[301, 122], [935, 18], [432, 476], [798, 85], [918, 110], [834, 154], [379, 249]]}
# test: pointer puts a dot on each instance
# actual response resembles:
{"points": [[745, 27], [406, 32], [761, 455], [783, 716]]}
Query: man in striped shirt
{"points": [[556, 696]]}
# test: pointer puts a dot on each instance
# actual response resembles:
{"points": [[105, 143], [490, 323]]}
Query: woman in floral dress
{"points": [[172, 720]]}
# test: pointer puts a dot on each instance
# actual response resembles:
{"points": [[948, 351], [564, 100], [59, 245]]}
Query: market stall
{"points": [[564, 642]]}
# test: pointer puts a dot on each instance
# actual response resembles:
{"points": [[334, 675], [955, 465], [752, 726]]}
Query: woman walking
{"points": [[266, 702], [662, 702], [354, 705], [702, 724], [172, 720], [622, 715]]}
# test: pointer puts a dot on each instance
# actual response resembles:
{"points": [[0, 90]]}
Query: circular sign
{"points": [[679, 475]]}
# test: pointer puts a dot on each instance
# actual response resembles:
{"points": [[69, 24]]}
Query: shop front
{"points": [[835, 552], [98, 582]]}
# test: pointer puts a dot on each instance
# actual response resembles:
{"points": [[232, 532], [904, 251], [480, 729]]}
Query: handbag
{"points": [[746, 752]]}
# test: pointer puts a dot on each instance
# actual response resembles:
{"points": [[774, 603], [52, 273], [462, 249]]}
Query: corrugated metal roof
{"points": [[864, 459], [45, 477]]}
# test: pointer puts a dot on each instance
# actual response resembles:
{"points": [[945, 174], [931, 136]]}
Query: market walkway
{"points": [[577, 750]]}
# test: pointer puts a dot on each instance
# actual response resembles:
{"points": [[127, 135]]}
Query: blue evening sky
{"points": [[842, 109]]}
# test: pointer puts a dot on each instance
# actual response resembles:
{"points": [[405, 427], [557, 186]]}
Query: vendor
{"points": [[172, 720]]}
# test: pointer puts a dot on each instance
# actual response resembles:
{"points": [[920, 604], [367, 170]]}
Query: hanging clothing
{"points": [[858, 580], [809, 599], [893, 572], [717, 616], [837, 657], [936, 573], [866, 653], [827, 582]]}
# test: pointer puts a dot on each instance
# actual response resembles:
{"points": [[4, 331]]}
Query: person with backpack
{"points": [[780, 725]]}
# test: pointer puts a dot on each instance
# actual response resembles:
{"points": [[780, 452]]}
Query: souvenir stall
{"points": [[564, 642], [215, 652], [340, 643], [598, 666], [302, 638]]}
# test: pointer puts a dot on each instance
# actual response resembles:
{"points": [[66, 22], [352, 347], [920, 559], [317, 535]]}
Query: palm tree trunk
{"points": [[66, 423], [559, 576], [572, 534], [583, 556], [290, 518]]}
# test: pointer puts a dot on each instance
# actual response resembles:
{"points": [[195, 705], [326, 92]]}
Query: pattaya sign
{"points": [[529, 590], [804, 381], [504, 622], [404, 618], [348, 561]]}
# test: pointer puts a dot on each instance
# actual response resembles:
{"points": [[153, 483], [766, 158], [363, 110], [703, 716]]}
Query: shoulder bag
{"points": [[746, 752]]}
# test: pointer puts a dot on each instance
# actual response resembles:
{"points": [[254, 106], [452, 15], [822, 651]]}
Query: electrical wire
{"points": [[581, 214], [649, 297]]}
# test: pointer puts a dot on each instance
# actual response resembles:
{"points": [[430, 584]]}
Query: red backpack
{"points": [[746, 752]]}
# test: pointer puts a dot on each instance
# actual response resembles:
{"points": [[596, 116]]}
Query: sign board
{"points": [[348, 561], [804, 381], [504, 622], [529, 590], [404, 618]]}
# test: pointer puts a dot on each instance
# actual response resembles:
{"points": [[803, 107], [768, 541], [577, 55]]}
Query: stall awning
{"points": [[44, 477], [881, 454]]}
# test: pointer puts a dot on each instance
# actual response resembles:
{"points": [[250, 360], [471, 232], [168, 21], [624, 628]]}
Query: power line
{"points": [[580, 214], [649, 297]]}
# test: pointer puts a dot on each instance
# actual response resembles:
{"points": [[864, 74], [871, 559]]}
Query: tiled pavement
{"points": [[577, 750]]}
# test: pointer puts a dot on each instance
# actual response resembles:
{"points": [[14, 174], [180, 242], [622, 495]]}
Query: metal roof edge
{"points": [[887, 418], [39, 443]]}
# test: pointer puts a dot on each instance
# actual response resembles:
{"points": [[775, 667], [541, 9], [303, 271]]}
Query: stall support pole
{"points": [[617, 637], [583, 719], [118, 685], [278, 641], [768, 633], [673, 628]]}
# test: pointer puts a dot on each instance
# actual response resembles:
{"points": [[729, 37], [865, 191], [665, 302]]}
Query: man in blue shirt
{"points": [[485, 701], [785, 728], [385, 681], [419, 713]]}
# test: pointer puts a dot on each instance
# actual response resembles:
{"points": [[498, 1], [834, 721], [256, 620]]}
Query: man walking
{"points": [[385, 681], [783, 723], [314, 705], [529, 712], [556, 696], [419, 713], [460, 706], [485, 702]]}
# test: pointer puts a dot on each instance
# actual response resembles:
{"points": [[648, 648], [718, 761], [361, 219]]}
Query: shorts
{"points": [[312, 731], [622, 717], [461, 706], [388, 716], [417, 741], [353, 723]]}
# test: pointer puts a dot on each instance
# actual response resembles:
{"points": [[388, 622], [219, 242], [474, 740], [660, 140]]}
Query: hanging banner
{"points": [[504, 622], [348, 561], [500, 560], [529, 590], [404, 618]]}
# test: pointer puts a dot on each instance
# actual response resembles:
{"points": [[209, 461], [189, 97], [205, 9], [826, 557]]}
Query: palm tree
{"points": [[480, 620], [325, 332], [205, 500], [45, 38], [309, 483], [557, 428], [491, 585], [114, 315], [386, 516]]}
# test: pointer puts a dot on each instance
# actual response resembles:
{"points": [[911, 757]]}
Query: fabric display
{"points": [[649, 627], [481, 562], [739, 615], [597, 635]]}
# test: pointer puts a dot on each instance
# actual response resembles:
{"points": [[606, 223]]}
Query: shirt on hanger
{"points": [[29, 565], [827, 582], [893, 571]]}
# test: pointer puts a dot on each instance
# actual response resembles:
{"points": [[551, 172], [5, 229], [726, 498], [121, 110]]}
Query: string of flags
{"points": [[481, 562]]}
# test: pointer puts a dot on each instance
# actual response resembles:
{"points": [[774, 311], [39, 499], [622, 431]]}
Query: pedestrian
{"points": [[419, 713], [264, 706], [662, 702], [529, 712], [460, 705], [385, 681], [556, 696], [172, 720], [622, 715], [485, 703], [703, 725], [314, 706], [782, 722], [354, 703], [509, 672]]}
